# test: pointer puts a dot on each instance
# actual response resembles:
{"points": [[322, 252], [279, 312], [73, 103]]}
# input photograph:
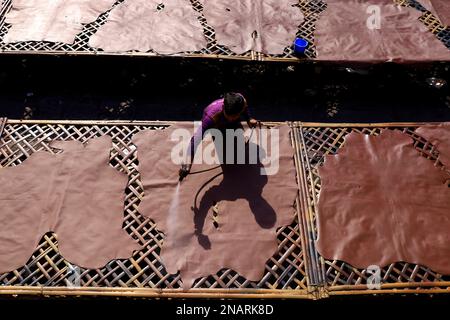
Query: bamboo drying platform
{"points": [[310, 8], [2, 125], [337, 277], [296, 270]]}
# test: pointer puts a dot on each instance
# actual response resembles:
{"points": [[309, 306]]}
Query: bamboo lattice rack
{"points": [[340, 278], [311, 9], [296, 270]]}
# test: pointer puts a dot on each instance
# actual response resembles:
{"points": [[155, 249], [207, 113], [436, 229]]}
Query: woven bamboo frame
{"points": [[47, 273], [339, 278], [310, 8], [2, 125]]}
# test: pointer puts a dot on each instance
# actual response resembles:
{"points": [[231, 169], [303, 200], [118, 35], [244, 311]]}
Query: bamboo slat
{"points": [[320, 139], [310, 252], [155, 293]]}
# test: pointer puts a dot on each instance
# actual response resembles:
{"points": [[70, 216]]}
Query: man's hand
{"points": [[184, 171], [253, 123]]}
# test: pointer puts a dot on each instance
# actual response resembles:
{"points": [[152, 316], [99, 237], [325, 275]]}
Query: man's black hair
{"points": [[233, 103]]}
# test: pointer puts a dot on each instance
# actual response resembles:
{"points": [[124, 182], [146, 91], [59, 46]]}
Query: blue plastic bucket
{"points": [[300, 45]]}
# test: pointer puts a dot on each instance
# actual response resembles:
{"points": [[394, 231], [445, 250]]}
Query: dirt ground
{"points": [[143, 88]]}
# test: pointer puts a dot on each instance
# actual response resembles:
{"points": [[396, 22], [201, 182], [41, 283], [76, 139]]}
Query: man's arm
{"points": [[247, 116], [207, 123]]}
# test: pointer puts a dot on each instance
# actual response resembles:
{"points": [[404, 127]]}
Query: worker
{"points": [[221, 114]]}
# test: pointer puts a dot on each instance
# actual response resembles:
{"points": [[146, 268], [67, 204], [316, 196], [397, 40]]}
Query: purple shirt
{"points": [[213, 117]]}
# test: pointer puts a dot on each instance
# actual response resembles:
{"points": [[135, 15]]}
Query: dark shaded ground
{"points": [[92, 87]]}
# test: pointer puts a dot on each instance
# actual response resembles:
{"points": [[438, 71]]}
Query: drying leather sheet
{"points": [[165, 26], [51, 20], [382, 202], [439, 136], [342, 33], [250, 206], [441, 8], [75, 194], [266, 26]]}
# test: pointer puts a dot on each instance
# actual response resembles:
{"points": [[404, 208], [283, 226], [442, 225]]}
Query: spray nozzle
{"points": [[183, 173]]}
